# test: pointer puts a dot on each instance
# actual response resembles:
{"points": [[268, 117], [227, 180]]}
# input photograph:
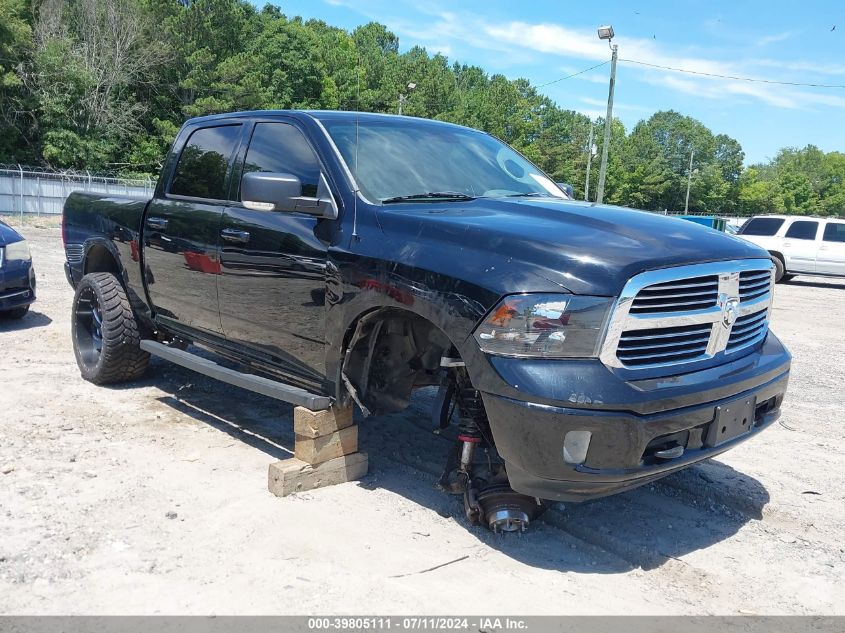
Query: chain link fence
{"points": [[31, 190]]}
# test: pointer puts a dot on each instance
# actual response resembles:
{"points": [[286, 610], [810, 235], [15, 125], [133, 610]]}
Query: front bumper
{"points": [[630, 421], [17, 285]]}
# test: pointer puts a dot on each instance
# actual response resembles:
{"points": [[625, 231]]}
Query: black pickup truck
{"points": [[339, 257]]}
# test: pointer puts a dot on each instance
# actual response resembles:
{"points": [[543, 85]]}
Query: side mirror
{"points": [[266, 191], [567, 188]]}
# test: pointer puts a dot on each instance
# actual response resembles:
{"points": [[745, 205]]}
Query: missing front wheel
{"points": [[474, 468]]}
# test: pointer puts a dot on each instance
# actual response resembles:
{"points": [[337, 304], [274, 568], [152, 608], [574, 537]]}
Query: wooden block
{"points": [[315, 450], [309, 423], [293, 475]]}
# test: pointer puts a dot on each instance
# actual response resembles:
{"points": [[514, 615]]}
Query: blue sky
{"points": [[543, 40]]}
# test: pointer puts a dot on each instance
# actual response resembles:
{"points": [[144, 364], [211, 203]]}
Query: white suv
{"points": [[799, 244]]}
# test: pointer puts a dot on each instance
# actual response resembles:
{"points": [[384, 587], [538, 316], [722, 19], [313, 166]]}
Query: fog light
{"points": [[575, 446]]}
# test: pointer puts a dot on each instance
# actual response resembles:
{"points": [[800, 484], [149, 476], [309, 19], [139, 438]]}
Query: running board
{"points": [[251, 382]]}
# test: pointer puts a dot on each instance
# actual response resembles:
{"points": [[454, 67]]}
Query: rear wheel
{"points": [[106, 336], [16, 313]]}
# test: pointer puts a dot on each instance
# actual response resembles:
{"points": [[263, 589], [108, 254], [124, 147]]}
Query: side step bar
{"points": [[258, 384]]}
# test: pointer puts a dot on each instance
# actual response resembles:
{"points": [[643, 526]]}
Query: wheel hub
{"points": [[504, 510]]}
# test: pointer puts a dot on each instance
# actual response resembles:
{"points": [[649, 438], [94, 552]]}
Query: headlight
{"points": [[17, 251], [545, 326]]}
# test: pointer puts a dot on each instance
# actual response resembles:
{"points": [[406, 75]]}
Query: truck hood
{"points": [[510, 245]]}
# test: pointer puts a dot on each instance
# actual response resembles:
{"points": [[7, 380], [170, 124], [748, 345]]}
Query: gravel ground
{"points": [[152, 498]]}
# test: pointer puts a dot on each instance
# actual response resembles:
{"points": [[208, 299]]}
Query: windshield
{"points": [[407, 159]]}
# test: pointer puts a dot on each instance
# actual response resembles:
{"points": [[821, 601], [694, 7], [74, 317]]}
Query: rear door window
{"points": [[761, 226], [202, 166], [803, 230], [834, 232]]}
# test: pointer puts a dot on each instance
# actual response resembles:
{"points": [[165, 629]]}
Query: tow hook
{"points": [[670, 453]]}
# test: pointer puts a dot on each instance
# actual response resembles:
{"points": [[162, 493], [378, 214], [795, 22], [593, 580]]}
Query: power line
{"points": [[735, 78], [580, 72]]}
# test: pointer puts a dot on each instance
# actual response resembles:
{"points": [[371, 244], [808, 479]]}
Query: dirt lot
{"points": [[152, 498]]}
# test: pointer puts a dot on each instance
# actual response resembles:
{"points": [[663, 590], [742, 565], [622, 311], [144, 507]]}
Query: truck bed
{"points": [[93, 222]]}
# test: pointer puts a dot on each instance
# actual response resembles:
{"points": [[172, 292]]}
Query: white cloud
{"points": [[593, 78], [600, 76], [775, 38], [567, 42], [459, 30], [558, 40], [591, 113], [802, 67], [617, 107], [520, 42], [548, 38]]}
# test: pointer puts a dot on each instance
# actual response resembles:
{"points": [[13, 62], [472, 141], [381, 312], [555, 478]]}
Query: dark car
{"points": [[343, 256], [17, 277]]}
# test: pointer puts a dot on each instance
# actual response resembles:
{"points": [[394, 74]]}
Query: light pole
{"points": [[689, 179], [606, 33], [403, 97], [591, 151]]}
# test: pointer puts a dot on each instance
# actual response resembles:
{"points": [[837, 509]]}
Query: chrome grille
{"points": [[689, 313], [753, 284], [73, 253], [748, 330], [644, 347], [677, 296]]}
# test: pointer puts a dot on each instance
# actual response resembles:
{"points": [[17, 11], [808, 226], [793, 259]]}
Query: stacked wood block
{"points": [[325, 452]]}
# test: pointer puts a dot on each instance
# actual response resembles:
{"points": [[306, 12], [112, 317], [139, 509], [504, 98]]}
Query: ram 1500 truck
{"points": [[582, 350]]}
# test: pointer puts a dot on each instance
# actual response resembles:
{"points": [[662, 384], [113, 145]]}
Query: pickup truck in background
{"points": [[341, 257]]}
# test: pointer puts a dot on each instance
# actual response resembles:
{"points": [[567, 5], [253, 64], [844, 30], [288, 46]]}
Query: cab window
{"points": [[202, 166], [761, 226], [803, 230], [834, 232]]}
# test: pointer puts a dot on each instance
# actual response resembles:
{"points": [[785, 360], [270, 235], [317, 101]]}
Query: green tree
{"points": [[90, 55], [105, 85], [758, 195], [15, 45]]}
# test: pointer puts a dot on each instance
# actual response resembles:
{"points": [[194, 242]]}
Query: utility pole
{"points": [[403, 97], [589, 164], [608, 122], [689, 179]]}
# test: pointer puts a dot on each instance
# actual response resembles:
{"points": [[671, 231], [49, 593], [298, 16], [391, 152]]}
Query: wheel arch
{"points": [[387, 352], [100, 257]]}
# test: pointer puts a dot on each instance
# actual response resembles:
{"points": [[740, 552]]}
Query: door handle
{"points": [[233, 235], [157, 223]]}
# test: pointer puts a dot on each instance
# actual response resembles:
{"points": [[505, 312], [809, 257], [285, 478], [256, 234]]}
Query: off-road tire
{"points": [[106, 335], [14, 313]]}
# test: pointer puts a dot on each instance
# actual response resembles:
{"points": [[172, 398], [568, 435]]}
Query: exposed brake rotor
{"points": [[504, 510]]}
